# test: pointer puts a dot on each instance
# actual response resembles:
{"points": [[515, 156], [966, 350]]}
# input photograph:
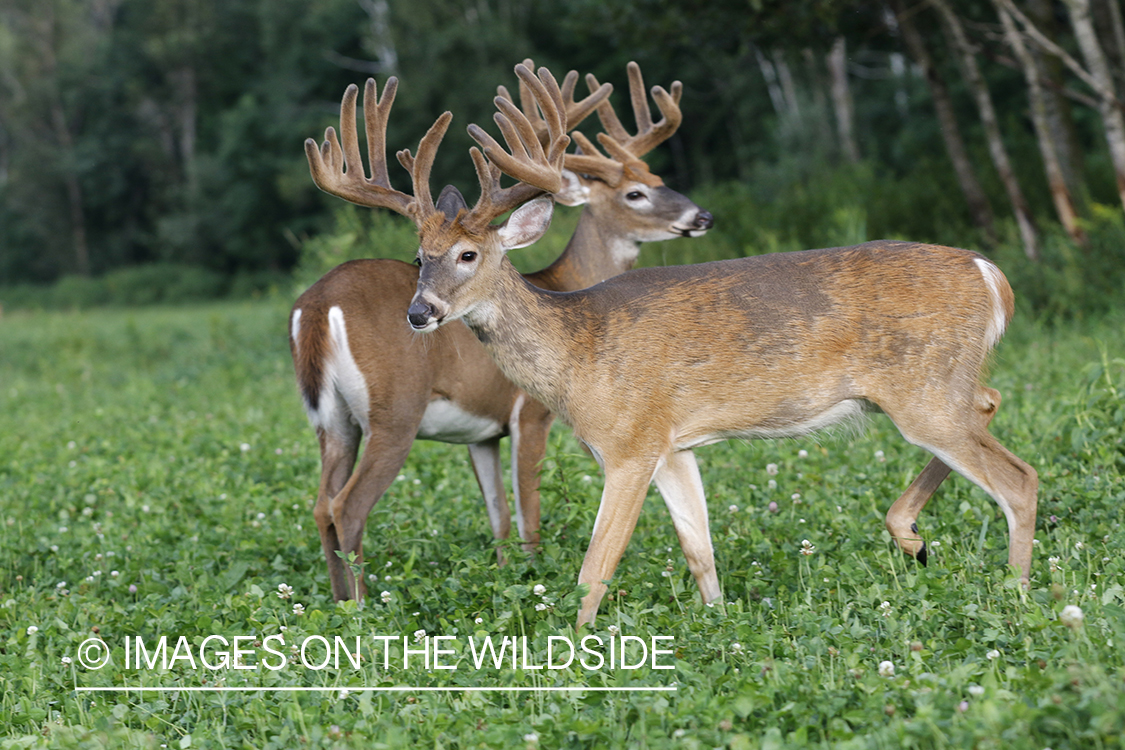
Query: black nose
{"points": [[703, 220], [419, 314]]}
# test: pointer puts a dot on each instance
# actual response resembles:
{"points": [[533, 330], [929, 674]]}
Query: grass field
{"points": [[157, 476]]}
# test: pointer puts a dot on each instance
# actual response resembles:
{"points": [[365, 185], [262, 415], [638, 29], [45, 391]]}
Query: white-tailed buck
{"points": [[364, 373], [650, 364]]}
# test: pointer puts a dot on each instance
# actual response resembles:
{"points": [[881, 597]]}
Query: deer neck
{"points": [[524, 329], [595, 253]]}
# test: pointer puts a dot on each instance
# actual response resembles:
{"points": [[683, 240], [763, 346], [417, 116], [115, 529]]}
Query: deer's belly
{"points": [[449, 423]]}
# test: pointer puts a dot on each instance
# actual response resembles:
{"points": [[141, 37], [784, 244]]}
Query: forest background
{"points": [[151, 150]]}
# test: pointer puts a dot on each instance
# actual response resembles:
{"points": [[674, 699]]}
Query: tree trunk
{"points": [[379, 41], [996, 148], [769, 72], [185, 111], [1060, 194], [1112, 118], [785, 78], [1118, 37], [979, 207], [842, 99], [1064, 135]]}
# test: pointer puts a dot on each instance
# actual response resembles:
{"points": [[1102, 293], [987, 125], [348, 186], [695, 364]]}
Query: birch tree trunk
{"points": [[1060, 193], [979, 207], [1064, 135], [842, 99], [996, 148], [1112, 118]]}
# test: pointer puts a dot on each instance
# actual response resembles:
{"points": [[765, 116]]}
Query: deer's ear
{"points": [[526, 224], [451, 202], [574, 191]]}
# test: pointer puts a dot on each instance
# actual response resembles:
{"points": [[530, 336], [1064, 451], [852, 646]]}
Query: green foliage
{"points": [[1071, 281], [164, 283], [157, 476]]}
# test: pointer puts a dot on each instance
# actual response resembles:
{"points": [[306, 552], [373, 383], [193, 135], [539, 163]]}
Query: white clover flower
{"points": [[772, 484], [60, 585], [1054, 563], [113, 574], [880, 456], [539, 589], [993, 654], [479, 621], [540, 607], [1079, 545], [736, 648], [1071, 616], [419, 634], [32, 630], [885, 609], [614, 630], [386, 597], [886, 669], [733, 509], [244, 447], [771, 469], [298, 609], [66, 660], [284, 591], [795, 497], [802, 453], [976, 690], [807, 547], [531, 737]]}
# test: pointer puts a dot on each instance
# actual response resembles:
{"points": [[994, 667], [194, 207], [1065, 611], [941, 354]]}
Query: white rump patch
{"points": [[993, 280], [449, 423], [295, 329], [343, 395]]}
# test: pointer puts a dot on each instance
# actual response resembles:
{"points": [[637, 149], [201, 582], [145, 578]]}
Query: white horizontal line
{"points": [[396, 689]]}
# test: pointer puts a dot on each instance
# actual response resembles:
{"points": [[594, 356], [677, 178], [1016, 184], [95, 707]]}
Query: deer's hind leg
{"points": [[974, 453], [338, 451]]}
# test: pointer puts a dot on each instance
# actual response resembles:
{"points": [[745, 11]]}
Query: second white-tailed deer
{"points": [[362, 371], [650, 364]]}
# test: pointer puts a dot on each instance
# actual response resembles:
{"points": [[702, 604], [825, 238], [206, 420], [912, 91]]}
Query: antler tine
{"points": [[575, 111], [419, 166], [525, 159], [648, 135], [591, 162], [339, 171]]}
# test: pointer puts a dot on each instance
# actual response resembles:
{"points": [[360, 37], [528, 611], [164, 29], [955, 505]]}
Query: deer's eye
{"points": [[635, 195], [468, 256]]}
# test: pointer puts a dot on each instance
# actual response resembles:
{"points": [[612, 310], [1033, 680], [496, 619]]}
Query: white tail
{"points": [[654, 362], [364, 374]]}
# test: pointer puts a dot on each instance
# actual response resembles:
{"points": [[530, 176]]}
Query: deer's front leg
{"points": [[486, 465], [682, 488], [532, 425], [626, 484]]}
